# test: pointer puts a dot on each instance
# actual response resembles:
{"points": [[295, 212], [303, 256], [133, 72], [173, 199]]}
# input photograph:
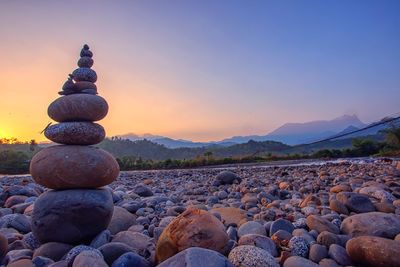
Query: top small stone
{"points": [[85, 52]]}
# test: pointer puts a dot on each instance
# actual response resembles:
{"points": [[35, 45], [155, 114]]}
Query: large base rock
{"points": [[71, 216], [64, 167]]}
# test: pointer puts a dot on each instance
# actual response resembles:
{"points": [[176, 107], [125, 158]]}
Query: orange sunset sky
{"points": [[201, 70]]}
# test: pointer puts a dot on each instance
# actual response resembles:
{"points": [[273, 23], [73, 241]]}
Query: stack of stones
{"points": [[76, 209]]}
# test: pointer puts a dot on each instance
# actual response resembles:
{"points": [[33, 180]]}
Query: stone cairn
{"points": [[76, 209]]}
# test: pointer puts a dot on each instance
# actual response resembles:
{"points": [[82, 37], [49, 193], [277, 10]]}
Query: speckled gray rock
{"points": [[251, 256], [196, 257], [75, 133], [71, 216], [299, 246], [75, 251], [251, 228], [84, 74]]}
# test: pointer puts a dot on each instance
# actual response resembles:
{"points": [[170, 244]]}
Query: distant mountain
{"points": [[289, 133], [298, 133]]}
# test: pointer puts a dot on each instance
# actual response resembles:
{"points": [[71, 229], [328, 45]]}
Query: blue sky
{"points": [[206, 70]]}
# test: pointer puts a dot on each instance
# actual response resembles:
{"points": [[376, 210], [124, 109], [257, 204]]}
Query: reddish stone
{"points": [[78, 107], [193, 228], [62, 167]]}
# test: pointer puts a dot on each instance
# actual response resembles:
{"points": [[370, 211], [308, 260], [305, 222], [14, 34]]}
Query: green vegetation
{"points": [[143, 154]]}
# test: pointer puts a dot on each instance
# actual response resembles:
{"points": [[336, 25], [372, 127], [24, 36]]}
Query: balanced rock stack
{"points": [[76, 209]]}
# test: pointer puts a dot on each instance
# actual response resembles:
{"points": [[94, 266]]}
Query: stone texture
{"points": [[89, 258], [231, 215], [113, 250], [251, 228], [297, 261], [78, 107], [317, 252], [315, 222], [339, 254], [85, 62], [52, 250], [79, 86], [84, 74], [259, 241], [355, 202], [374, 251], [372, 223], [131, 259], [71, 216], [251, 256], [62, 167], [140, 243], [196, 257], [121, 220], [281, 224], [227, 177], [193, 228], [75, 133]]}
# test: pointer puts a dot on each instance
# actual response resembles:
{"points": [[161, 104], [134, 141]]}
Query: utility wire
{"points": [[383, 121]]}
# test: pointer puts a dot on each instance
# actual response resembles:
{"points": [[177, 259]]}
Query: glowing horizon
{"points": [[201, 70]]}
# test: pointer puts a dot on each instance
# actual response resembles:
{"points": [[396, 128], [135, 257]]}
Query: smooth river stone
{"points": [[374, 251], [78, 107], [193, 228], [84, 74], [67, 166], [75, 133], [71, 216]]}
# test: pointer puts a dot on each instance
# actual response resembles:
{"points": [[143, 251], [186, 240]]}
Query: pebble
{"points": [[317, 252], [251, 228], [251, 256], [339, 254], [193, 228], [296, 261], [121, 220], [320, 224], [259, 241], [131, 259]]}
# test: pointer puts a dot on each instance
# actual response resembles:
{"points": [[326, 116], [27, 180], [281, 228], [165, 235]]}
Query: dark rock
{"points": [[113, 251], [296, 261], [143, 191], [71, 216], [85, 62], [52, 250], [281, 224], [251, 228], [42, 261], [339, 254], [227, 177], [355, 202], [131, 259], [317, 252], [84, 74], [327, 238], [102, 238]]}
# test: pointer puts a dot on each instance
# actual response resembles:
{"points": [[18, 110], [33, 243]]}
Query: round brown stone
{"points": [[374, 251], [232, 215], [193, 228], [75, 133], [78, 107], [63, 167]]}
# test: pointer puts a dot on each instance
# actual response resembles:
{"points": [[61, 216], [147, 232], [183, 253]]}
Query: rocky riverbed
{"points": [[334, 214]]}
